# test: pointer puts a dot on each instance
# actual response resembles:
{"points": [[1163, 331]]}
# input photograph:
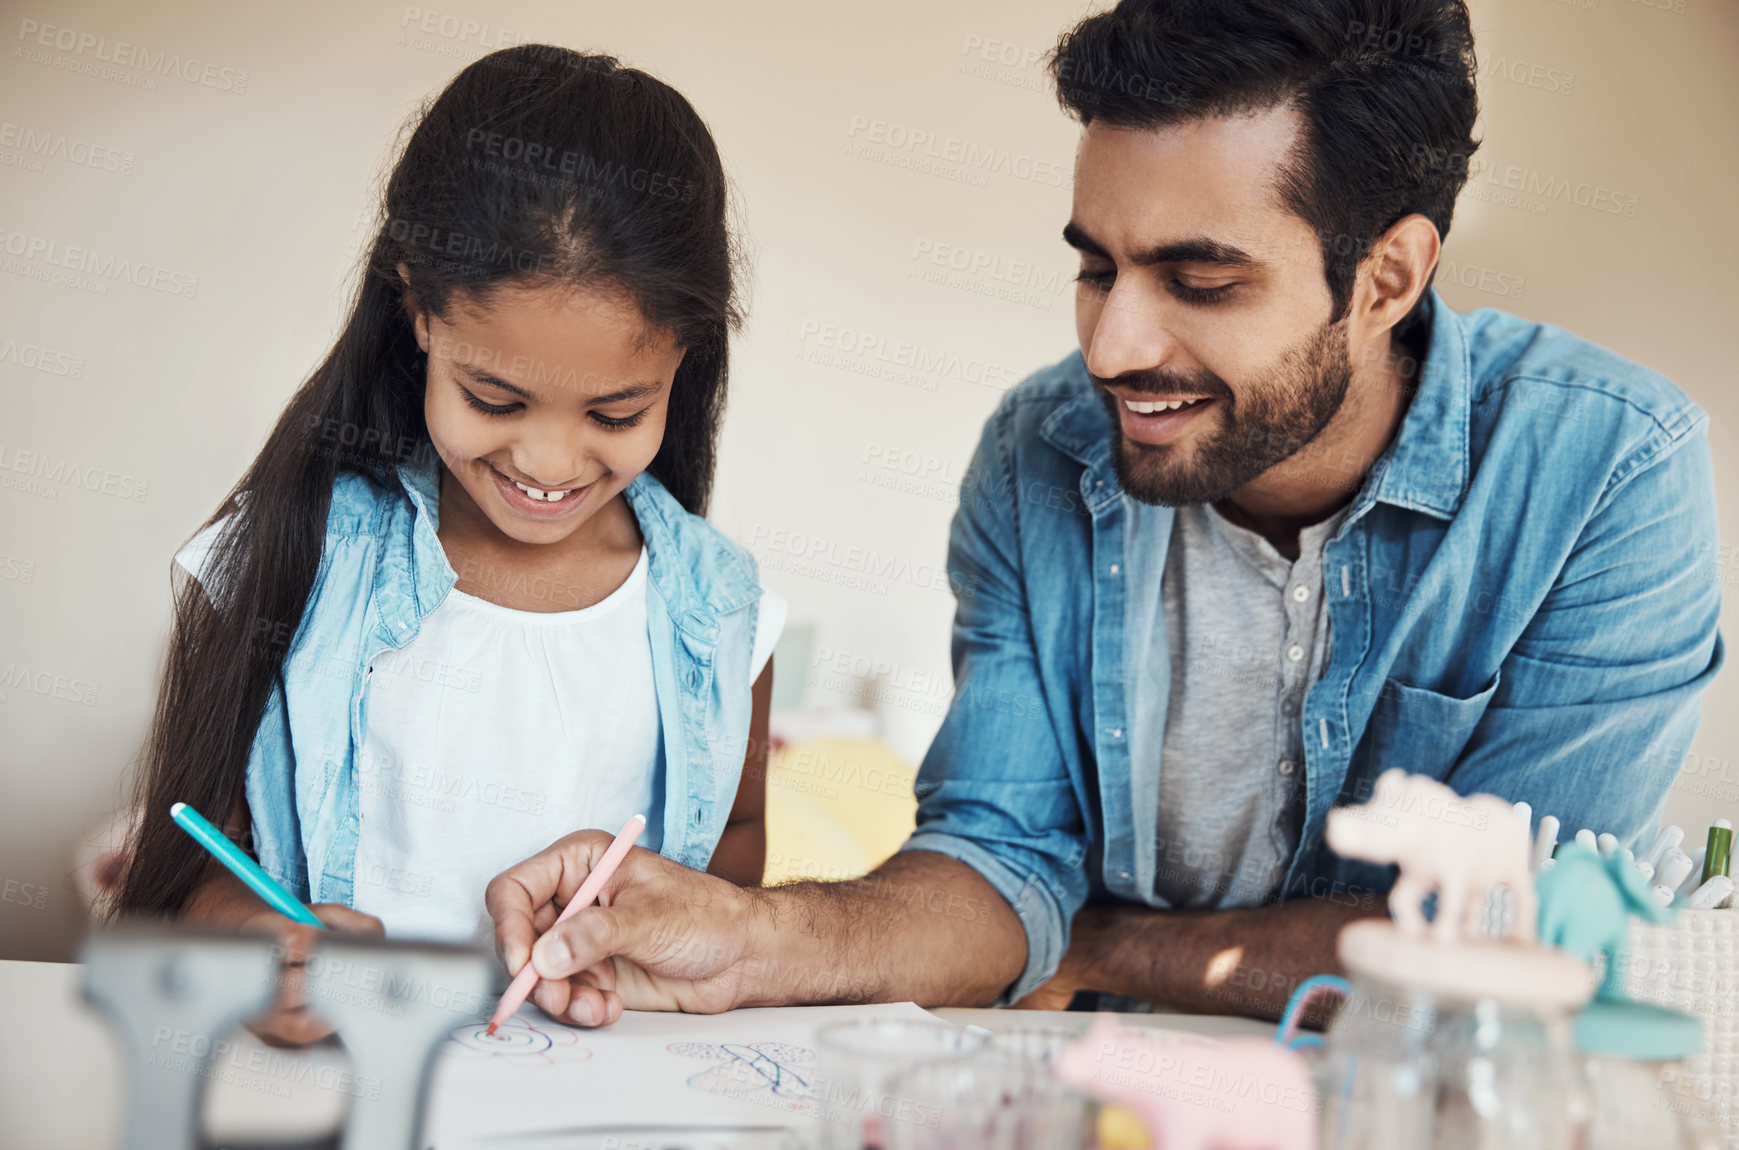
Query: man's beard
{"points": [[1257, 428]]}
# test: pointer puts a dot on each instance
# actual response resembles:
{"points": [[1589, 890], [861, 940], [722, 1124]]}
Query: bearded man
{"points": [[1283, 521]]}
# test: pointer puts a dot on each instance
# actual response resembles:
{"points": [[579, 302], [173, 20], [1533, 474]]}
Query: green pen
{"points": [[236, 861], [1718, 858]]}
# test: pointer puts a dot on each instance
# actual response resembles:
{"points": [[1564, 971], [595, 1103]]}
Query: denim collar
{"points": [[1425, 469], [697, 578]]}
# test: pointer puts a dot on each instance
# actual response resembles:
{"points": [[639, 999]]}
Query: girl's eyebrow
{"points": [[632, 391], [492, 380]]}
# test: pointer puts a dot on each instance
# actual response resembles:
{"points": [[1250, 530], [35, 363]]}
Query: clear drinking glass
{"points": [[858, 1058], [1040, 1043], [990, 1101]]}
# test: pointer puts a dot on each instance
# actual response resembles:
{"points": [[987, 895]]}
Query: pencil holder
{"points": [[1692, 964]]}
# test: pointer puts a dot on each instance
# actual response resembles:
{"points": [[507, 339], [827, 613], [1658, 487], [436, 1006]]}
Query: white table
{"points": [[60, 1073]]}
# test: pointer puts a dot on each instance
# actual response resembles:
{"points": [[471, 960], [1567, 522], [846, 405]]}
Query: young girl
{"points": [[464, 602]]}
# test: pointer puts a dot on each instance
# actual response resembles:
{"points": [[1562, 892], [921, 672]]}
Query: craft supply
{"points": [[1662, 894], [1464, 861], [1545, 841], [1646, 871], [1588, 839], [1674, 865], [1586, 904], [1718, 854], [1607, 843], [521, 987], [177, 996], [1665, 841], [1710, 894], [191, 985], [394, 1004], [1447, 1027], [1189, 1090], [1692, 964], [237, 862], [1693, 877]]}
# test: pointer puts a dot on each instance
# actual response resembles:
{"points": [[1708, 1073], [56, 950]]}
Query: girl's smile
{"points": [[537, 502]]}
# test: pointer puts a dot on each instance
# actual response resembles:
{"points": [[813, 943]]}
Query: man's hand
{"points": [[662, 937], [1059, 990], [1245, 961], [923, 927]]}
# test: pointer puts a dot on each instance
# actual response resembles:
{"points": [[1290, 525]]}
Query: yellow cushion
{"points": [[836, 808]]}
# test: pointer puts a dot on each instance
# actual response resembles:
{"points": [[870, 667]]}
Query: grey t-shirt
{"points": [[1247, 632]]}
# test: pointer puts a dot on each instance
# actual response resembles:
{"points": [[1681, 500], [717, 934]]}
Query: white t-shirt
{"points": [[494, 733]]}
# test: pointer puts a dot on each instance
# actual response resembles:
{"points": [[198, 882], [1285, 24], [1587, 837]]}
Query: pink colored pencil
{"points": [[521, 986]]}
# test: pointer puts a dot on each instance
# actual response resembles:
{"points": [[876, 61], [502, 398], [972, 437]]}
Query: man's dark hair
{"points": [[1385, 89]]}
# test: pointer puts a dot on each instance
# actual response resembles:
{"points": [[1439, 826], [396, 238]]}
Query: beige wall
{"points": [[255, 188]]}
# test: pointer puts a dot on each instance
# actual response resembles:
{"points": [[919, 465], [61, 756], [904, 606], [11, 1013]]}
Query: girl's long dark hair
{"points": [[537, 166]]}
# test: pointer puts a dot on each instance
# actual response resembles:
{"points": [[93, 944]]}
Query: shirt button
{"points": [[1122, 874], [1300, 593], [1289, 708], [1294, 652], [1286, 766], [1114, 568], [1116, 732]]}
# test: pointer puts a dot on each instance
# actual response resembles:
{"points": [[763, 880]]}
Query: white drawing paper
{"points": [[749, 1069]]}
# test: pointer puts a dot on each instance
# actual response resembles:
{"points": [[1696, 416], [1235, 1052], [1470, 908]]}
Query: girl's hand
{"points": [[289, 1022]]}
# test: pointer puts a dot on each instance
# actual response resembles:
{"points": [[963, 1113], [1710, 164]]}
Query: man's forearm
{"points": [[922, 927], [1209, 962]]}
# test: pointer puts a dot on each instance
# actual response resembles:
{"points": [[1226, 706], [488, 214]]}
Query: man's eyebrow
{"points": [[1195, 250], [632, 391], [1076, 237]]}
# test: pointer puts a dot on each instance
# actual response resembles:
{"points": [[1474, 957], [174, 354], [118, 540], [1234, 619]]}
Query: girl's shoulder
{"points": [[693, 563], [361, 504]]}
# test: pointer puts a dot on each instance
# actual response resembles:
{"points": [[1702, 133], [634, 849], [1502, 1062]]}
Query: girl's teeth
{"points": [[1142, 408], [546, 496]]}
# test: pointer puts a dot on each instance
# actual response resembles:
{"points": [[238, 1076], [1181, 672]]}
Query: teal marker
{"points": [[236, 861]]}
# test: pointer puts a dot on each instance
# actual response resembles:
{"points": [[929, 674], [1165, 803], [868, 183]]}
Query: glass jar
{"points": [[1640, 1098], [1452, 1056]]}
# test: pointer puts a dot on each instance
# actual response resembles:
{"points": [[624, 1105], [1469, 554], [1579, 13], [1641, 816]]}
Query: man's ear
{"points": [[1396, 273], [413, 311]]}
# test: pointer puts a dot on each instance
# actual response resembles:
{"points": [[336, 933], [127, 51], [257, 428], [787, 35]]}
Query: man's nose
{"points": [[1129, 333]]}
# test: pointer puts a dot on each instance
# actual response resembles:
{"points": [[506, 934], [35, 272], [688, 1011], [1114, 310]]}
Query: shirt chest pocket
{"points": [[1422, 731]]}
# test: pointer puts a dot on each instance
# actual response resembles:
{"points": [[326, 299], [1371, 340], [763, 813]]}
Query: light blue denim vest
{"points": [[383, 570]]}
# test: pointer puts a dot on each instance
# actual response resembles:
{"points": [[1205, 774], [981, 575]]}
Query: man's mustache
{"points": [[1167, 385]]}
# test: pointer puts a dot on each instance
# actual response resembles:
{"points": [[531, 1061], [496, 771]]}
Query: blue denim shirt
{"points": [[383, 570], [1520, 598]]}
